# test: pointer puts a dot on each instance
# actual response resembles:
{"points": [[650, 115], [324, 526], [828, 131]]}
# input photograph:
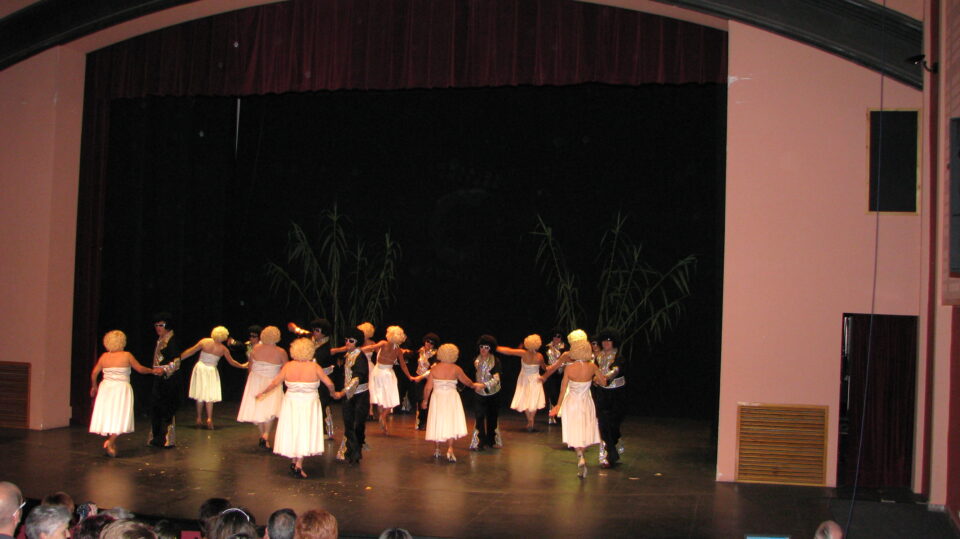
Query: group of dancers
{"points": [[296, 390]]}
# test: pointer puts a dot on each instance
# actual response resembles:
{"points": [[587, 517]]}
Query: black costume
{"points": [[486, 408], [322, 356], [611, 404], [551, 387], [355, 379], [423, 361], [167, 390]]}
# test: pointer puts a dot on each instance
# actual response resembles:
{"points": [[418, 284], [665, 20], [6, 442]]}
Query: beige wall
{"points": [[799, 240]]}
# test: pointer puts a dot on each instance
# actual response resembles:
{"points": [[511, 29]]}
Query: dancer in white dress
{"points": [[446, 421], [205, 379], [383, 382], [265, 361], [300, 427], [529, 397], [113, 409], [576, 406]]}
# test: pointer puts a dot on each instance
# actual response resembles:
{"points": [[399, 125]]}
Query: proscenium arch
{"points": [[863, 32]]}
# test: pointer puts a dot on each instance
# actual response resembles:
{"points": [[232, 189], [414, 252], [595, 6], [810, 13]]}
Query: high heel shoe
{"points": [[262, 443], [450, 456], [581, 468], [383, 426], [436, 453], [299, 473], [209, 424], [110, 449]]}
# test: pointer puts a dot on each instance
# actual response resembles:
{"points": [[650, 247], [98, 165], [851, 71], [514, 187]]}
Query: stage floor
{"points": [[665, 486]]}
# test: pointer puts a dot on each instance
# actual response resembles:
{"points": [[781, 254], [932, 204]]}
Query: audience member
{"points": [[316, 524], [829, 530], [210, 509], [164, 529], [48, 522], [90, 527], [396, 533], [232, 523], [11, 509], [60, 498], [118, 513], [127, 529], [281, 524]]}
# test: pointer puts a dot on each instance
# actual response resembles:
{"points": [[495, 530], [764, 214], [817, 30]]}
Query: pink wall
{"points": [[799, 239]]}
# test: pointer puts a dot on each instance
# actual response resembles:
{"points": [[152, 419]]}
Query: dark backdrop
{"points": [[201, 192]]}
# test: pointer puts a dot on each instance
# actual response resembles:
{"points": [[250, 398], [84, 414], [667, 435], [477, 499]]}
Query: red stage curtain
{"points": [[310, 45]]}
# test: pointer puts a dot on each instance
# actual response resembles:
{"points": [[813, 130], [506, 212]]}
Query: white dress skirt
{"points": [[205, 380], [445, 420], [579, 416], [529, 393], [267, 408], [300, 427], [113, 409], [383, 390]]}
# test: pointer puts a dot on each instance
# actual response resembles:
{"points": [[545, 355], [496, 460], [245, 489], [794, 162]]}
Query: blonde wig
{"points": [[581, 350], [532, 342], [448, 353], [114, 341], [576, 335], [367, 329], [270, 335], [302, 349], [219, 334], [396, 335]]}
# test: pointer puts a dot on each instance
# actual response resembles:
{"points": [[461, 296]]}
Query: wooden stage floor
{"points": [[664, 488]]}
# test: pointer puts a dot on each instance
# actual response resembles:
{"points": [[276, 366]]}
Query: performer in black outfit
{"points": [[611, 400], [551, 388], [357, 402], [487, 403], [424, 358], [320, 334], [167, 388]]}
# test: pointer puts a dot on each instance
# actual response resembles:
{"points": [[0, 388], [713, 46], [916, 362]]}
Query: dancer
{"points": [[113, 408], [611, 400], [446, 421], [368, 330], [576, 405], [205, 379], [300, 427], [384, 392], [528, 398], [167, 388], [555, 347], [487, 404], [355, 389], [265, 359], [426, 358]]}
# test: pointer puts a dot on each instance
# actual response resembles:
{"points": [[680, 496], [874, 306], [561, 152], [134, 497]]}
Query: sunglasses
{"points": [[351, 340], [484, 347], [160, 325]]}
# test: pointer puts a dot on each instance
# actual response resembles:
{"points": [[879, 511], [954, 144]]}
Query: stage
{"points": [[664, 487]]}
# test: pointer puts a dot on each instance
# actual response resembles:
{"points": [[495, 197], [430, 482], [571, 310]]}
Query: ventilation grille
{"points": [[781, 444], [14, 394]]}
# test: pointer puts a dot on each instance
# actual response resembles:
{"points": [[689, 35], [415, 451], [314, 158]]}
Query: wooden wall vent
{"points": [[14, 394], [782, 444]]}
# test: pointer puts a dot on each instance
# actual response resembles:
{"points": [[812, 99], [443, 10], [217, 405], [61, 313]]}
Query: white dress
{"points": [[445, 419], [300, 427], [383, 390], [205, 380], [529, 393], [579, 416], [113, 410], [267, 408]]}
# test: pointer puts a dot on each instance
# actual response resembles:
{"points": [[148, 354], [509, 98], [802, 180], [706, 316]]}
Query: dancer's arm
{"points": [[517, 352], [233, 362], [427, 390], [190, 351], [327, 382], [373, 347], [140, 368], [465, 380], [93, 377], [277, 380], [402, 359]]}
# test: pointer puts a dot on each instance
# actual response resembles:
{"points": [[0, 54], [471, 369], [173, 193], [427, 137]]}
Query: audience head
{"points": [[396, 533], [11, 507], [282, 524], [90, 527], [48, 522], [232, 523], [270, 335], [118, 513], [209, 509], [316, 524], [829, 530], [114, 341], [127, 529], [165, 529]]}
